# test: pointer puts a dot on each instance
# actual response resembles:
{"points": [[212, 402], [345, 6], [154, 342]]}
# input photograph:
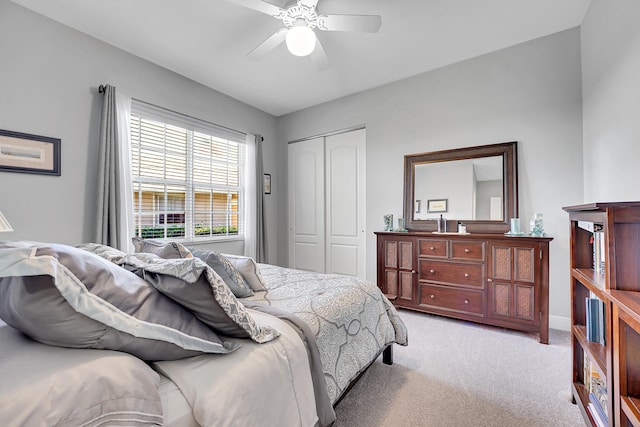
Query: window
{"points": [[187, 176]]}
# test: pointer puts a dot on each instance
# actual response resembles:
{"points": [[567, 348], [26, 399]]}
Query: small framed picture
{"points": [[267, 183], [23, 152], [437, 205]]}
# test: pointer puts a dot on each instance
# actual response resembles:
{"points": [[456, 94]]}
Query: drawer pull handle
{"points": [[432, 271], [432, 248], [413, 272], [466, 251], [466, 275], [489, 280], [466, 301], [432, 296]]}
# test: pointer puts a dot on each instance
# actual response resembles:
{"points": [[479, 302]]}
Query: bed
{"points": [[179, 336]]}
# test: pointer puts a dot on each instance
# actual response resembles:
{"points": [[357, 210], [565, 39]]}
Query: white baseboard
{"points": [[559, 322]]}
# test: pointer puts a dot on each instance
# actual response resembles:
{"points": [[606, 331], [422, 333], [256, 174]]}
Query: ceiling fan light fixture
{"points": [[301, 40]]}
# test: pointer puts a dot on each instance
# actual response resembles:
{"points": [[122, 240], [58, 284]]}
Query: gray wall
{"points": [[529, 93], [610, 36], [49, 76]]}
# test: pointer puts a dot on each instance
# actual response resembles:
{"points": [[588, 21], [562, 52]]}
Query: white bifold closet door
{"points": [[327, 204]]}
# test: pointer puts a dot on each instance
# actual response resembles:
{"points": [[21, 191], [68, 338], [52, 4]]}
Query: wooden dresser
{"points": [[485, 278]]}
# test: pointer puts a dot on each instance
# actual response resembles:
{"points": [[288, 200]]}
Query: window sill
{"points": [[208, 241], [203, 241]]}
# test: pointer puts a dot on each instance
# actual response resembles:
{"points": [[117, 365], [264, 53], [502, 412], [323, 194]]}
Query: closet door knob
{"points": [[489, 280]]}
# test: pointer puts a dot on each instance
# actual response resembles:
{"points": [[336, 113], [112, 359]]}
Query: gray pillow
{"points": [[198, 298], [225, 269], [169, 250], [197, 287], [68, 297], [249, 270]]}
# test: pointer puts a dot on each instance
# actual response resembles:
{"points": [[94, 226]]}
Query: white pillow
{"points": [[249, 270]]}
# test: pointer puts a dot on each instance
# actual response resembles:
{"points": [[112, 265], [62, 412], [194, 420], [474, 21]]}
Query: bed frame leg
{"points": [[387, 355]]}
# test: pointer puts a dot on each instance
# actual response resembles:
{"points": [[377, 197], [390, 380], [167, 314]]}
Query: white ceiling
{"points": [[207, 41]]}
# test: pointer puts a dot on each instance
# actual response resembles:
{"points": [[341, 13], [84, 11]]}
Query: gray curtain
{"points": [[107, 232], [261, 229]]}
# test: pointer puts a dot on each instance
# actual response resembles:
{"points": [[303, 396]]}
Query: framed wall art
{"points": [[437, 205], [267, 183], [23, 152]]}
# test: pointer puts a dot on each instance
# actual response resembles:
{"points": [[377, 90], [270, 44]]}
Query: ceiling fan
{"points": [[300, 19]]}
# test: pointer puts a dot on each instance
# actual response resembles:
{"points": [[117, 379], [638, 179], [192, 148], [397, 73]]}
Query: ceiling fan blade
{"points": [[310, 3], [261, 6], [319, 57], [361, 23], [269, 44]]}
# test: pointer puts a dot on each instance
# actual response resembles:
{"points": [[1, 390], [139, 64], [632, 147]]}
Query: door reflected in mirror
{"points": [[473, 188]]}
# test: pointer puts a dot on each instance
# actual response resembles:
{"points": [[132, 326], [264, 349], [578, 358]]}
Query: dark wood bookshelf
{"points": [[618, 286]]}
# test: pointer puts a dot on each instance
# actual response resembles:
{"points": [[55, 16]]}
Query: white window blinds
{"points": [[187, 176]]}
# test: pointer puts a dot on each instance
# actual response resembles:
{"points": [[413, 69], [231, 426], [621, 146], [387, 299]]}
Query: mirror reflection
{"points": [[470, 189], [475, 185]]}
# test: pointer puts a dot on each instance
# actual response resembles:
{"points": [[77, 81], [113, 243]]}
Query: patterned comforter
{"points": [[352, 320]]}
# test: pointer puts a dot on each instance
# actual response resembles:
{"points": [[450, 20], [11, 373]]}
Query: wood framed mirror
{"points": [[477, 186]]}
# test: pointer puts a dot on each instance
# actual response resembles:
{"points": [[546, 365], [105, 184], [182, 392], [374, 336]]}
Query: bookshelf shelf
{"points": [[582, 397], [589, 277], [596, 352], [605, 264], [630, 407]]}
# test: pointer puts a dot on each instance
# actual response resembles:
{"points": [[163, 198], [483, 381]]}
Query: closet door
{"points": [[306, 205], [345, 203]]}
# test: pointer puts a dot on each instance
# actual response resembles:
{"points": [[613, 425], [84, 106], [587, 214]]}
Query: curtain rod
{"points": [[102, 88]]}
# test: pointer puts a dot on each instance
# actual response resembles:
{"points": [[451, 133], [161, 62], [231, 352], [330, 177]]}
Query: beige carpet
{"points": [[456, 373]]}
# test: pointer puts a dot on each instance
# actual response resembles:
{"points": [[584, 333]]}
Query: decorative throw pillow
{"points": [[107, 252], [195, 285], [249, 270], [168, 250], [69, 297], [225, 269]]}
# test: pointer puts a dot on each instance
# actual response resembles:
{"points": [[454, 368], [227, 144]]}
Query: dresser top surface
{"points": [[466, 236]]}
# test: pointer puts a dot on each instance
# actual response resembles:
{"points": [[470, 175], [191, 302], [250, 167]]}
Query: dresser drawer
{"points": [[455, 273], [452, 299], [467, 250], [432, 248]]}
